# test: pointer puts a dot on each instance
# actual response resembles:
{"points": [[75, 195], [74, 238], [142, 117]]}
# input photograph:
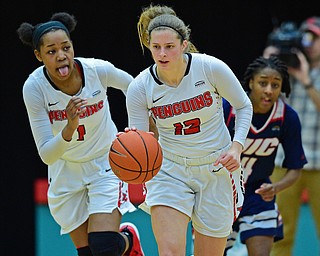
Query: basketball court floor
{"points": [[50, 243]]}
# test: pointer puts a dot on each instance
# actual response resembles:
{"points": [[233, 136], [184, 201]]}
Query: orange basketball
{"points": [[135, 156]]}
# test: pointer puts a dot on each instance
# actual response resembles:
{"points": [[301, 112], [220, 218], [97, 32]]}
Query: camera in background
{"points": [[287, 38]]}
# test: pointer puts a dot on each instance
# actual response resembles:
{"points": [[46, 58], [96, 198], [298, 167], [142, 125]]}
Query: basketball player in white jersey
{"points": [[70, 119], [201, 174]]}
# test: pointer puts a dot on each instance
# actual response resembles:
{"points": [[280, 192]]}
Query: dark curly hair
{"points": [[26, 30], [274, 63]]}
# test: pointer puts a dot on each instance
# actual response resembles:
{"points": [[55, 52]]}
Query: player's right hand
{"points": [[74, 109], [127, 129]]}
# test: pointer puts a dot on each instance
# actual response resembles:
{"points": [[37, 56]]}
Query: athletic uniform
{"points": [[280, 126], [193, 134], [80, 180]]}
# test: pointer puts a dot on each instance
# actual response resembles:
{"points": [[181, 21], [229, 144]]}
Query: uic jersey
{"points": [[188, 116], [267, 132], [46, 106]]}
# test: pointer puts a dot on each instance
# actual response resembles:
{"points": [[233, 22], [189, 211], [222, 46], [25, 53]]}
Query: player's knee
{"points": [[106, 243]]}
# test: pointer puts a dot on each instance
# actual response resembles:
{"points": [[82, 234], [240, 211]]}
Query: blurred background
{"points": [[234, 31]]}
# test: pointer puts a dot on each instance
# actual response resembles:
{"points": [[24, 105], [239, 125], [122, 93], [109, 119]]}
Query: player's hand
{"points": [[74, 109], [127, 129], [267, 191], [229, 160]]}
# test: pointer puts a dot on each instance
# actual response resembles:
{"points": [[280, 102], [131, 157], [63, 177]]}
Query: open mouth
{"points": [[63, 71], [266, 100]]}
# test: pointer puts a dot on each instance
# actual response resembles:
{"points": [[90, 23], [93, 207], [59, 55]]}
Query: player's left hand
{"points": [[229, 160], [267, 191]]}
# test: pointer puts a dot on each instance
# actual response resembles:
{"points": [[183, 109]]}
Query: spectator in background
{"points": [[305, 99]]}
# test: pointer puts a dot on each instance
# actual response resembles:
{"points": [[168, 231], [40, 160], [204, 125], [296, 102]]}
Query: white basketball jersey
{"points": [[46, 106], [189, 116]]}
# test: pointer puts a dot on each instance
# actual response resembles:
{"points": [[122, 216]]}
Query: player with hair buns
{"points": [[273, 123], [200, 177], [68, 110]]}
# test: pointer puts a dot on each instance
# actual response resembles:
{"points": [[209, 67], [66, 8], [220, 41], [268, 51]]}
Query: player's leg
{"points": [[259, 245], [170, 202], [170, 230], [213, 212], [289, 206], [103, 234], [79, 237], [208, 246], [67, 200], [214, 209], [258, 225], [105, 217], [105, 221], [105, 238]]}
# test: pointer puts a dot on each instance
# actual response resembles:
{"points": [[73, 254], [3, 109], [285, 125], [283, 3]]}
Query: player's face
{"points": [[166, 48], [56, 53], [265, 89]]}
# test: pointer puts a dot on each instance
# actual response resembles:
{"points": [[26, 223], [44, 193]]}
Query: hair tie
{"points": [[45, 27]]}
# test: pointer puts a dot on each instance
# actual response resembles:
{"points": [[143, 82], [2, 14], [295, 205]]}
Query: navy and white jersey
{"points": [[190, 116], [46, 107], [267, 131]]}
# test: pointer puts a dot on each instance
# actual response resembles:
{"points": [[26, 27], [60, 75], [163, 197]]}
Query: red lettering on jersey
{"points": [[167, 111], [100, 104], [208, 99], [185, 106], [199, 102], [193, 104], [61, 115], [92, 109], [51, 116], [176, 108], [155, 111], [161, 114]]}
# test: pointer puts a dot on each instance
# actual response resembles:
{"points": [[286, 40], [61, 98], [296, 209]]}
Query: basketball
{"points": [[135, 157]]}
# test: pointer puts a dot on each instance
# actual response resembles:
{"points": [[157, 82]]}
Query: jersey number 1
{"points": [[81, 132]]}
